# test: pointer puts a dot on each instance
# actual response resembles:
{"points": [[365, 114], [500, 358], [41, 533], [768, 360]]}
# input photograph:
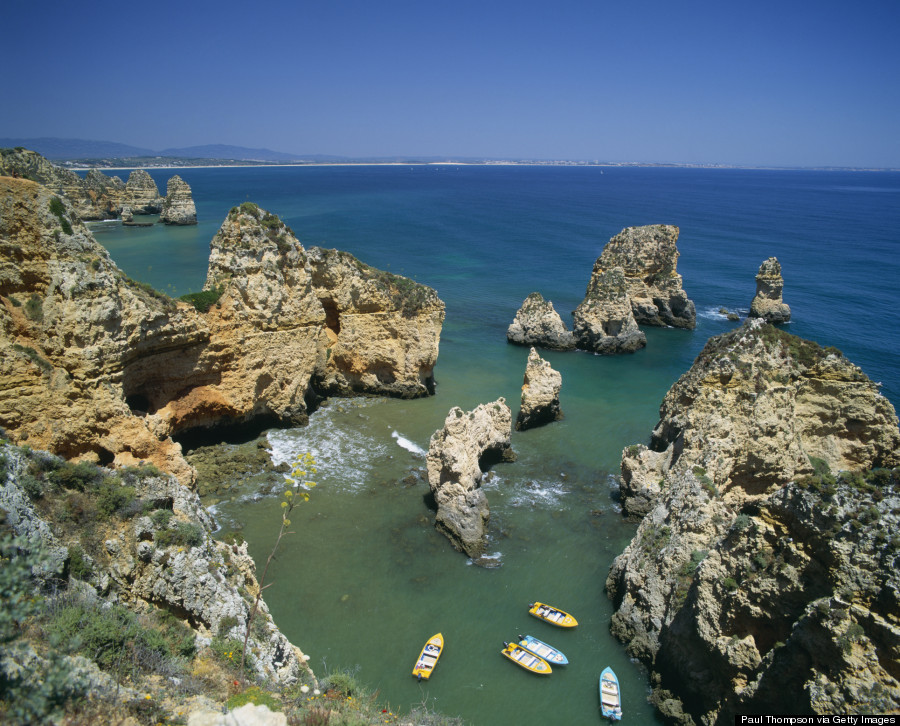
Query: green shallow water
{"points": [[366, 580]]}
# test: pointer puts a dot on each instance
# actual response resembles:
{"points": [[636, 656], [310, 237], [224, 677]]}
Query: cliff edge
{"points": [[763, 576]]}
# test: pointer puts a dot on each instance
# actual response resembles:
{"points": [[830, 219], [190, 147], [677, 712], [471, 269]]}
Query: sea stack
{"points": [[604, 321], [540, 394], [538, 323], [648, 256], [141, 193], [768, 304], [763, 576], [458, 454], [178, 206]]}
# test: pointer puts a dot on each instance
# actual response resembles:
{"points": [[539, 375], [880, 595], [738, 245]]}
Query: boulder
{"points": [[458, 455], [537, 323], [767, 304], [604, 322], [178, 206], [540, 394], [648, 256]]}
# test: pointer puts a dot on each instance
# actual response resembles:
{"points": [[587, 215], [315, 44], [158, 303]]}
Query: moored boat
{"points": [[552, 615], [554, 656], [529, 661], [428, 658], [610, 698]]}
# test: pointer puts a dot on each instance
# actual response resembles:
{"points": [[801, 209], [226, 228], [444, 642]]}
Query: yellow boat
{"points": [[529, 661], [428, 658], [552, 615]]}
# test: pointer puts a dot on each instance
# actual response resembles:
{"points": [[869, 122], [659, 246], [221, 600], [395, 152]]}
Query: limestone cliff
{"points": [[648, 256], [604, 322], [537, 323], [457, 455], [540, 394], [767, 304], [178, 207], [97, 366], [757, 580]]}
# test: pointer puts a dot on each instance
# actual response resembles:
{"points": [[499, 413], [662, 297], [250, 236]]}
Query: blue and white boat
{"points": [[554, 656], [610, 697]]}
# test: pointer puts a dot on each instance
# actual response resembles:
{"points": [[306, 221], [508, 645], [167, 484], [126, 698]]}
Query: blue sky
{"points": [[789, 83]]}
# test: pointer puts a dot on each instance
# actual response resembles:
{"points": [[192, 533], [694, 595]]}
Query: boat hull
{"points": [[552, 615], [527, 660], [610, 696], [554, 656], [428, 658]]}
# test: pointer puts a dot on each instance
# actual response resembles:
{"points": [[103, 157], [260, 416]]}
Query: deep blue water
{"points": [[366, 580]]}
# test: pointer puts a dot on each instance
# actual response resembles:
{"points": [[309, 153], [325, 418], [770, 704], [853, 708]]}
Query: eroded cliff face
{"points": [[757, 582], [99, 367], [648, 256]]}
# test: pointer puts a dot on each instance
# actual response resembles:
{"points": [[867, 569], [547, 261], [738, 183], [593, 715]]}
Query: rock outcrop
{"points": [[178, 206], [167, 560], [604, 322], [141, 193], [648, 256], [458, 455], [758, 581], [97, 366], [540, 394], [537, 323], [767, 304]]}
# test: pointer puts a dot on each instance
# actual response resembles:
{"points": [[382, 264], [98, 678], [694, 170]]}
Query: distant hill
{"points": [[69, 149], [66, 149]]}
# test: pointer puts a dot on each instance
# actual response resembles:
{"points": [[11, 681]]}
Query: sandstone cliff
{"points": [[757, 580], [178, 206], [604, 322], [767, 304], [648, 256], [457, 454], [96, 366], [141, 193], [540, 394], [537, 323]]}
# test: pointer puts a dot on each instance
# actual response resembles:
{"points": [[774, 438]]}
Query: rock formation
{"points": [[97, 366], [604, 322], [768, 304], [540, 394], [457, 456], [141, 193], [537, 323], [757, 581], [649, 256], [167, 560], [178, 206]]}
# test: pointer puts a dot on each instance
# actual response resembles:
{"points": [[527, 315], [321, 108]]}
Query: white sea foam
{"points": [[714, 313], [339, 441], [543, 494], [411, 446], [488, 559]]}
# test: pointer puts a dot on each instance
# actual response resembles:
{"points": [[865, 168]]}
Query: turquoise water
{"points": [[366, 579]]}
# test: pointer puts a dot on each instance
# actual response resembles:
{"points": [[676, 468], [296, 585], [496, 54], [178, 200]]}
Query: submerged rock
{"points": [[648, 256], [604, 322], [758, 581], [540, 394], [456, 454], [768, 304], [537, 323], [178, 206]]}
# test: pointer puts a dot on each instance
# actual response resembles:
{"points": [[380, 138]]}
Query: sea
{"points": [[364, 579]]}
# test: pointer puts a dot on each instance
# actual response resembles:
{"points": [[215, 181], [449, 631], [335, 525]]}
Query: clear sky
{"points": [[761, 82]]}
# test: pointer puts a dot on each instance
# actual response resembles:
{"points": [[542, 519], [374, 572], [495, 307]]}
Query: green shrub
{"points": [[34, 356], [78, 565], [80, 477], [58, 209], [113, 497], [34, 308], [741, 522], [250, 208], [184, 534], [730, 584], [204, 299], [256, 696]]}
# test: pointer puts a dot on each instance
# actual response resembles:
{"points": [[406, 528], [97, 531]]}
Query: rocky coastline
{"points": [[763, 575]]}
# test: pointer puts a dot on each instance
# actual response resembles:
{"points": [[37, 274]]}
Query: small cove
{"points": [[366, 579]]}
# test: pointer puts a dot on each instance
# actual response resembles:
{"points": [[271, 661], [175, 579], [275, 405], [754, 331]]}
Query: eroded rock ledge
{"points": [[757, 581], [96, 366], [468, 443]]}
